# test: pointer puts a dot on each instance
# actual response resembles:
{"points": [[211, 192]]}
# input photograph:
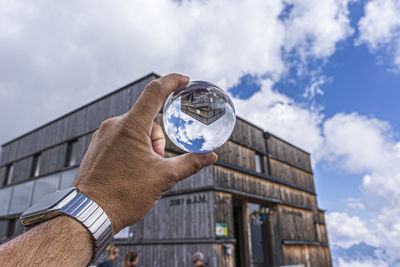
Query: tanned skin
{"points": [[123, 171], [61, 241]]}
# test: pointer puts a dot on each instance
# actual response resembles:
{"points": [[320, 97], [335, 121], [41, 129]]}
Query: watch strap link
{"points": [[95, 220]]}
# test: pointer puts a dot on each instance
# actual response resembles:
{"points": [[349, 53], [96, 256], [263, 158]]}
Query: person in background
{"points": [[131, 259], [112, 255], [198, 259]]}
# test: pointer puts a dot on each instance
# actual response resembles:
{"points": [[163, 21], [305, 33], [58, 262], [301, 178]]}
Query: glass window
{"points": [[71, 158], [21, 197], [8, 174], [258, 159], [44, 186], [5, 195], [124, 233], [35, 165], [67, 178]]}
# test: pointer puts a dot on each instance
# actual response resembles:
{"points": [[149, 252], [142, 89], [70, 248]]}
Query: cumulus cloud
{"points": [[365, 145], [57, 56], [284, 117], [380, 27], [315, 27], [357, 142], [314, 88], [362, 263], [346, 230]]}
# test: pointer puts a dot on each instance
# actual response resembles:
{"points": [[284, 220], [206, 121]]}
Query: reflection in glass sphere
{"points": [[199, 117]]}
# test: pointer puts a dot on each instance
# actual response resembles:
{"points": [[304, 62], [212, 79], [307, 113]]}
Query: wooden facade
{"points": [[268, 209]]}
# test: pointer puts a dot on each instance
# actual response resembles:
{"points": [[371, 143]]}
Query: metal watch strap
{"points": [[92, 216]]}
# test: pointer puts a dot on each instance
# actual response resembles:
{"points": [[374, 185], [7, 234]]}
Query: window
{"points": [[67, 178], [71, 158], [44, 186], [35, 165], [259, 163], [8, 174], [5, 195], [21, 198], [124, 233]]}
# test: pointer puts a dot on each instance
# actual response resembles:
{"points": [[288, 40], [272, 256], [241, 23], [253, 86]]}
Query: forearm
{"points": [[61, 241]]}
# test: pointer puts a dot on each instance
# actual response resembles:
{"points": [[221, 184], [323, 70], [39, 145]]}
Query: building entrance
{"points": [[260, 237], [252, 234]]}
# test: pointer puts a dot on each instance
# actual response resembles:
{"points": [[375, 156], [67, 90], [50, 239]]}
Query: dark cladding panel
{"points": [[22, 170], [3, 171], [248, 135], [237, 155], [71, 126], [19, 228], [9, 152], [4, 227], [201, 179], [53, 159], [135, 90], [82, 146], [296, 224], [223, 211], [4, 154], [286, 152], [291, 174], [307, 255], [186, 216], [229, 179]]}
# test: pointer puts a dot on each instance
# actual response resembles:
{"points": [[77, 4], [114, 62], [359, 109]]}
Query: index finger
{"points": [[153, 97]]}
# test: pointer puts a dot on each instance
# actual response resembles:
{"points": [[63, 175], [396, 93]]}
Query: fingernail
{"points": [[210, 160]]}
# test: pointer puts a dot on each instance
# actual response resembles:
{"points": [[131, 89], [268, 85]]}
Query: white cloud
{"points": [[315, 27], [55, 56], [314, 87], [281, 115], [345, 230], [355, 203], [363, 263], [380, 27], [365, 146], [357, 142]]}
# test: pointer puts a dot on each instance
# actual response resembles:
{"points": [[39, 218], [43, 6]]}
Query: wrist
{"points": [[107, 206]]}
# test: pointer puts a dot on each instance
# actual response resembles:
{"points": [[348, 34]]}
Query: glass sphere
{"points": [[199, 117]]}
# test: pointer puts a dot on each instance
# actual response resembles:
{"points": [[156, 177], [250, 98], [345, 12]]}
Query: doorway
{"points": [[260, 236], [238, 232], [252, 234]]}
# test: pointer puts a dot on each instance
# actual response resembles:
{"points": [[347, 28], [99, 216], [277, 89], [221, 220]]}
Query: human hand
{"points": [[123, 170]]}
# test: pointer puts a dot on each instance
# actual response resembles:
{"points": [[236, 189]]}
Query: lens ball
{"points": [[199, 117]]}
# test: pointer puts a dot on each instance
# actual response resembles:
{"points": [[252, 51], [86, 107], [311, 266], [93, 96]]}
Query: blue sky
{"points": [[324, 75]]}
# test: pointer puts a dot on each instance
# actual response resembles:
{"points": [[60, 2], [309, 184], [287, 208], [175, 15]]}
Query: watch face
{"points": [[49, 202]]}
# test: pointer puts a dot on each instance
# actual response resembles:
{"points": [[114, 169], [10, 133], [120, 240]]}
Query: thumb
{"points": [[190, 163]]}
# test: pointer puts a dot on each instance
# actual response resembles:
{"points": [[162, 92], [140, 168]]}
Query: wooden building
{"points": [[256, 206]]}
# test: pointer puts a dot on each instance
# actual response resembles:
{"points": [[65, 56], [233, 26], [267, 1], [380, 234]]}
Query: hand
{"points": [[124, 170]]}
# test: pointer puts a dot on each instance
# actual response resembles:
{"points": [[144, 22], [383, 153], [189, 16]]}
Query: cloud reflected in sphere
{"points": [[199, 117]]}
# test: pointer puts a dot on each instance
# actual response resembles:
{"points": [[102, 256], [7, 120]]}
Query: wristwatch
{"points": [[74, 204]]}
